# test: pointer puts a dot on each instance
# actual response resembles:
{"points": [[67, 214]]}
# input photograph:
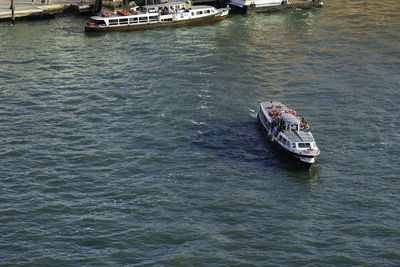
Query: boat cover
{"points": [[299, 136], [290, 118]]}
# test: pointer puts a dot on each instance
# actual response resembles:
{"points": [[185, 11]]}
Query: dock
{"points": [[37, 9]]}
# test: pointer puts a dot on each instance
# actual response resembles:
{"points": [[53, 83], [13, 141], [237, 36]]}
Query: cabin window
{"points": [[199, 12], [123, 21], [133, 20], [153, 18], [208, 11], [142, 19], [192, 13], [101, 22], [113, 22], [293, 145], [304, 145]]}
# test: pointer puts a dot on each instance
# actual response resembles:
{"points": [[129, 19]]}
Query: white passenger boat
{"points": [[291, 135], [155, 16], [245, 6]]}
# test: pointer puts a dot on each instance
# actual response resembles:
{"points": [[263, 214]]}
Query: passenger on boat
{"points": [[281, 125], [304, 125], [275, 126]]}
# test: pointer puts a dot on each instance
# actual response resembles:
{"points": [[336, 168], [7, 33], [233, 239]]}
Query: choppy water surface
{"points": [[143, 148]]}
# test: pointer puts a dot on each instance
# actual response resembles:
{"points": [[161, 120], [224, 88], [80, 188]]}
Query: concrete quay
{"points": [[34, 9]]}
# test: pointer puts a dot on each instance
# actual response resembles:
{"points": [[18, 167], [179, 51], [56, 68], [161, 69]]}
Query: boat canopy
{"points": [[290, 118], [299, 136]]}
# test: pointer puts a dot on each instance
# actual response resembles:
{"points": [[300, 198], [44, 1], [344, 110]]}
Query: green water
{"points": [[143, 148]]}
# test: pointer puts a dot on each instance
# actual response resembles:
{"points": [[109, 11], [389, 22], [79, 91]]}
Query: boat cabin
{"points": [[292, 123]]}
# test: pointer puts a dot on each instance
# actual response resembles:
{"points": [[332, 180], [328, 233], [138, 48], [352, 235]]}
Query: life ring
{"points": [[291, 112], [124, 13], [273, 113]]}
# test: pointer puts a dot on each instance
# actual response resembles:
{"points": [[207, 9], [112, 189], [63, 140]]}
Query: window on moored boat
{"points": [[153, 18], [208, 11], [142, 19], [293, 145], [113, 22], [304, 145], [192, 13], [133, 20], [123, 21], [199, 12]]}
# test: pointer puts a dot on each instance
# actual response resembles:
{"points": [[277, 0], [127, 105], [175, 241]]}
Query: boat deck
{"points": [[299, 136], [273, 106]]}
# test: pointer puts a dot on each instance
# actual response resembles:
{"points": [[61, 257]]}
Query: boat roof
{"points": [[273, 105], [299, 136], [290, 118]]}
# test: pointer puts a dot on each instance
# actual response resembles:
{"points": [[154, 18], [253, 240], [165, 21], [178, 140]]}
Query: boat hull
{"points": [[140, 27], [296, 158]]}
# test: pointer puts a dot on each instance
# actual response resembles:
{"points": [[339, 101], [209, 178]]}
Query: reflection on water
{"points": [[310, 178]]}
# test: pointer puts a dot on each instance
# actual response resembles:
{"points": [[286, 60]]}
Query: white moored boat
{"points": [[244, 6], [284, 129], [155, 16]]}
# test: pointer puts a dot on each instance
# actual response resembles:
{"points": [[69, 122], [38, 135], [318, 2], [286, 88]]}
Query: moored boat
{"points": [[290, 134], [155, 16], [244, 6]]}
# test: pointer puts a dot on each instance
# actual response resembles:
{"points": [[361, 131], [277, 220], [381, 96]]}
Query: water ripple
{"points": [[143, 148]]}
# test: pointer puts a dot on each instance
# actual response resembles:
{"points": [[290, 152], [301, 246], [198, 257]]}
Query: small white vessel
{"points": [[290, 134], [245, 6]]}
